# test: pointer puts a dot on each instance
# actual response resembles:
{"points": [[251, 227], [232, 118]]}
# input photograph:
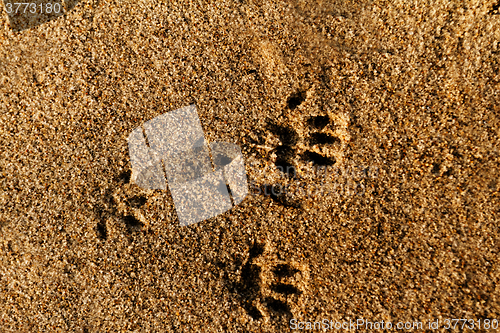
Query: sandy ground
{"points": [[400, 99]]}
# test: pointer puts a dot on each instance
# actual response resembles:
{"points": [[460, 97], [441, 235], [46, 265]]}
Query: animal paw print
{"points": [[302, 141], [322, 136], [269, 287], [495, 9], [121, 208]]}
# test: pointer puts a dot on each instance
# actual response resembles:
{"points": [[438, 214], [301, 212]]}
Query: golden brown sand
{"points": [[407, 90]]}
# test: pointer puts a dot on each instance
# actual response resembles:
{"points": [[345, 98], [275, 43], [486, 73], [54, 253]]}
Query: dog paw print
{"points": [[289, 150], [304, 139], [119, 206], [322, 135], [269, 287], [495, 9], [281, 288]]}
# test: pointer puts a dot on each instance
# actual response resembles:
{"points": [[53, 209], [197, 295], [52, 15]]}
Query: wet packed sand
{"points": [[397, 100]]}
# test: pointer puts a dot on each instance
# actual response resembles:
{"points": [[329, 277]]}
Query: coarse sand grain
{"points": [[370, 132]]}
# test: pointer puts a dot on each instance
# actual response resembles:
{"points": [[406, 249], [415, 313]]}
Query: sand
{"points": [[397, 100]]}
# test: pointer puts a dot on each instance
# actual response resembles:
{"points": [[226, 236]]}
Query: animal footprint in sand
{"points": [[301, 141], [270, 287], [120, 207]]}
